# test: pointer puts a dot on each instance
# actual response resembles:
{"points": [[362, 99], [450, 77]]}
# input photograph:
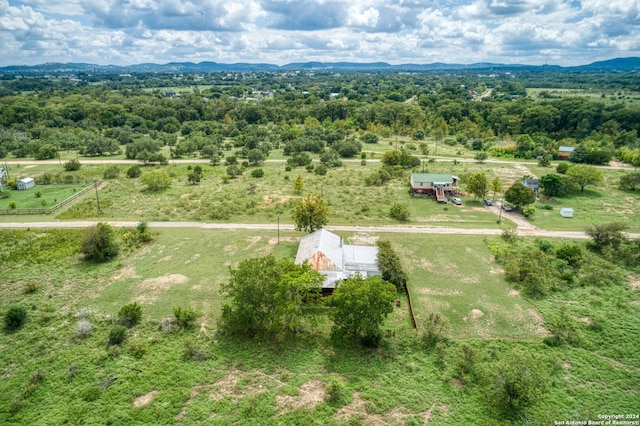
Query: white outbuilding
{"points": [[25, 183], [566, 212]]}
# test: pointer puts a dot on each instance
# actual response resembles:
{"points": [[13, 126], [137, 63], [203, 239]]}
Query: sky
{"points": [[123, 32]]}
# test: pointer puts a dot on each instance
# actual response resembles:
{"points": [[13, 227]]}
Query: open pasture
{"points": [[52, 376]]}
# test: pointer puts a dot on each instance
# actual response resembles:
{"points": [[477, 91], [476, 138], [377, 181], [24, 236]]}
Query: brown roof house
{"points": [[336, 261]]}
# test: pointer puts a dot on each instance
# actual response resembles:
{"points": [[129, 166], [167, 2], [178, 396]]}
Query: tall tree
{"points": [[552, 184], [519, 195], [495, 186], [584, 175], [311, 213], [269, 297], [360, 306], [478, 185]]}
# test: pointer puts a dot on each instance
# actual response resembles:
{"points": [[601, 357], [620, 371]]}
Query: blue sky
{"points": [[562, 32]]}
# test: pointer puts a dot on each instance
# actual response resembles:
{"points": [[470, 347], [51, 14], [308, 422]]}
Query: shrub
{"points": [[117, 334], [156, 181], [194, 353], [185, 317], [399, 212], [99, 243], [134, 172], [436, 327], [130, 314], [528, 210], [83, 329], [111, 172], [321, 169], [15, 317], [72, 165], [562, 167], [13, 205], [30, 287], [336, 394], [257, 173]]}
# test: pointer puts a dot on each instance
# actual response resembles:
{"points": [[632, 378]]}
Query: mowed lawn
{"points": [[457, 277]]}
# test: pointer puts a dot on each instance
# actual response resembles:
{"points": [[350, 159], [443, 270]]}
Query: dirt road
{"points": [[531, 232]]}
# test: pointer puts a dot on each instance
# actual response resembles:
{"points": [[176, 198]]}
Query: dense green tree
{"points": [[478, 185], [584, 175], [310, 213], [480, 156], [630, 181], [359, 308], [390, 265], [255, 156], [99, 243], [144, 144], [156, 181], [47, 152], [269, 297], [517, 382], [607, 235], [552, 185], [519, 195]]}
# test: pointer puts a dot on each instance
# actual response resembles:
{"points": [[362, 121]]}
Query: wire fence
{"points": [[52, 209]]}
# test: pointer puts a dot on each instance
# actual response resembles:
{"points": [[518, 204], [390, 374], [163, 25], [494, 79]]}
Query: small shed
{"points": [[25, 183], [566, 212], [564, 152]]}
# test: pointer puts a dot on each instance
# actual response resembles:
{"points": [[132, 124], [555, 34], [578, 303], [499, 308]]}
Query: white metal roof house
{"points": [[327, 254], [25, 183]]}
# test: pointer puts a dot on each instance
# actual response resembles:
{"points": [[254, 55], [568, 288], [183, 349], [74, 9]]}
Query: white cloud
{"points": [[280, 31]]}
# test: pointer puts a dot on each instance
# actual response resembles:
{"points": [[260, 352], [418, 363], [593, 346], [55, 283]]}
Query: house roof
{"points": [[326, 254], [432, 177], [566, 148], [322, 249], [360, 258]]}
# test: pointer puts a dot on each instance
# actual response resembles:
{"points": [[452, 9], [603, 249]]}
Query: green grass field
{"points": [[604, 96], [251, 200], [52, 377], [40, 196]]}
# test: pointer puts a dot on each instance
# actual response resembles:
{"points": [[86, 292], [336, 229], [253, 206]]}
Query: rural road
{"points": [[529, 231]]}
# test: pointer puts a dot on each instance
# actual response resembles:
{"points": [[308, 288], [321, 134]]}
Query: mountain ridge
{"points": [[628, 64]]}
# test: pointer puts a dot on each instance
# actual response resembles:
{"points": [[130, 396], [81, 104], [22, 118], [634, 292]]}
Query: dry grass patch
{"points": [[274, 240], [126, 273], [439, 292], [397, 415], [311, 394], [363, 238], [143, 400], [149, 289], [475, 314]]}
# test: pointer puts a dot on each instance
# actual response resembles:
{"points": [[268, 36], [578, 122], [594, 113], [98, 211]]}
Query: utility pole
{"points": [[95, 185], [278, 230]]}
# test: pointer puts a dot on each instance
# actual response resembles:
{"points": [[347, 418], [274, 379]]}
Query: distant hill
{"points": [[612, 65], [618, 64]]}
